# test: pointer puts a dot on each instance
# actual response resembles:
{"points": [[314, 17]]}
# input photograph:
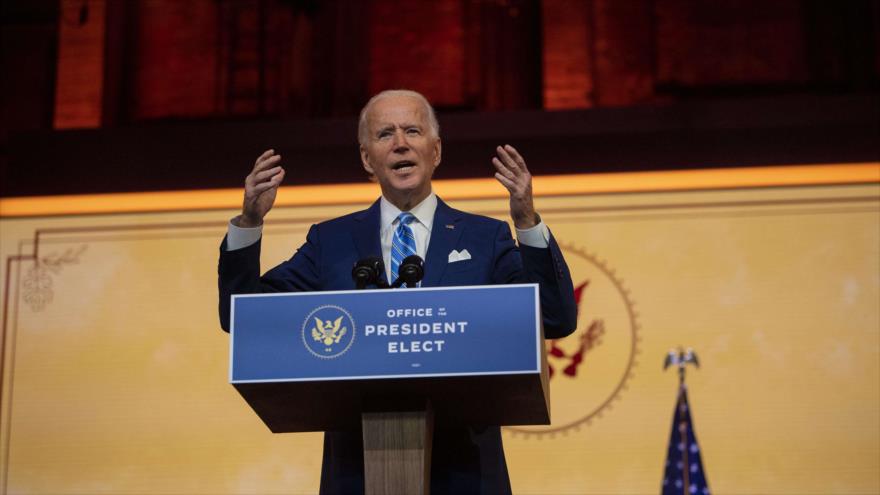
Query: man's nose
{"points": [[401, 143]]}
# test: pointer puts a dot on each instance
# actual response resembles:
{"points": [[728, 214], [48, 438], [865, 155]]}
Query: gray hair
{"points": [[362, 120]]}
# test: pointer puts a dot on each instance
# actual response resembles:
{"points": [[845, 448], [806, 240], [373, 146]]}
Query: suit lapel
{"points": [[445, 233], [365, 233]]}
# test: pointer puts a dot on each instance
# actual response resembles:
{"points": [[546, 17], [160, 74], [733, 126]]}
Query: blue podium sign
{"points": [[357, 346], [385, 333]]}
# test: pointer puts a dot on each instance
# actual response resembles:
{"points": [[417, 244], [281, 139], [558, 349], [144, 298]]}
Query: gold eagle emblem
{"points": [[328, 332]]}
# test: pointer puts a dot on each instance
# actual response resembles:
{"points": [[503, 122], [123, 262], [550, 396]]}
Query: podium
{"points": [[389, 362]]}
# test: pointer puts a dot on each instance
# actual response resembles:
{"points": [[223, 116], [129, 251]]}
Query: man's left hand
{"points": [[513, 174]]}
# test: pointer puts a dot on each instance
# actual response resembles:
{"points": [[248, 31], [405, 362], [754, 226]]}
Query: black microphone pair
{"points": [[368, 271]]}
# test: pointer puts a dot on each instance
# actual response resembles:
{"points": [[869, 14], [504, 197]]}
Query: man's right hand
{"points": [[260, 188]]}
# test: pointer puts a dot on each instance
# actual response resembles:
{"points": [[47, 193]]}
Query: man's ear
{"points": [[365, 161]]}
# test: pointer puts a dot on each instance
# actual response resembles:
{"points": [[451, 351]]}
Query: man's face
{"points": [[400, 150]]}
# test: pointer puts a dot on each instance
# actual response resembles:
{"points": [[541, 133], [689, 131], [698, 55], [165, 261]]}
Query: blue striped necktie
{"points": [[403, 244]]}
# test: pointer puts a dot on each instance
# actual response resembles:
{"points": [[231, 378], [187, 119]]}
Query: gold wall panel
{"points": [[115, 370]]}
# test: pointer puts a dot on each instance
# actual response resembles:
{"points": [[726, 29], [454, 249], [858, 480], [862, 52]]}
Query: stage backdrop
{"points": [[115, 369]]}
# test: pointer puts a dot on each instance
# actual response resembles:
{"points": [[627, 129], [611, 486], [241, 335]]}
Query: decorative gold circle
{"points": [[627, 320]]}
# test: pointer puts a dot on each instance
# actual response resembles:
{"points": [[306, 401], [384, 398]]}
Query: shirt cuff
{"points": [[536, 237], [242, 237]]}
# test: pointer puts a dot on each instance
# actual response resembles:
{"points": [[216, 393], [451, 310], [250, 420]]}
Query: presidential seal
{"points": [[589, 369], [328, 331]]}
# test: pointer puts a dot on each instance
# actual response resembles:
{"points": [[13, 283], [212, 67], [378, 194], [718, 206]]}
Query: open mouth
{"points": [[403, 166]]}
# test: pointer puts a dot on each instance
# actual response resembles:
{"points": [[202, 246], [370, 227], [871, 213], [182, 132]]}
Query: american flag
{"points": [[684, 473]]}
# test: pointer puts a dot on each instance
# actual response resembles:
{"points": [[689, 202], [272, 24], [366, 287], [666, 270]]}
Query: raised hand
{"points": [[513, 175], [260, 188]]}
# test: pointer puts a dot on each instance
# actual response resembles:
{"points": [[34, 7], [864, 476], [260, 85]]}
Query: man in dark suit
{"points": [[400, 147]]}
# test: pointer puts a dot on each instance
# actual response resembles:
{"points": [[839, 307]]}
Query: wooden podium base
{"points": [[397, 451]]}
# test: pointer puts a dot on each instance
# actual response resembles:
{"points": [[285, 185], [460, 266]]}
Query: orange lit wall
{"points": [[79, 85]]}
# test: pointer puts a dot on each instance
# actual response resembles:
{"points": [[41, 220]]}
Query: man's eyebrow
{"points": [[405, 125], [386, 127]]}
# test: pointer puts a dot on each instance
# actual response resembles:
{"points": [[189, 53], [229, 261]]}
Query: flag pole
{"points": [[681, 358]]}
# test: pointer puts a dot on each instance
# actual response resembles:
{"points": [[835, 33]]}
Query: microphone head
{"points": [[412, 270], [367, 271]]}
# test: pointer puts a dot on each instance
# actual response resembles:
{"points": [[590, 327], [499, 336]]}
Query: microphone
{"points": [[411, 271], [368, 271]]}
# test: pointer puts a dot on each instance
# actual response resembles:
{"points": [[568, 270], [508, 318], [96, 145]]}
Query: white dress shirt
{"points": [[421, 227], [537, 236]]}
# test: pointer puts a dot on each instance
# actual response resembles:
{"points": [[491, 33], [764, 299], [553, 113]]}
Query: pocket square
{"points": [[459, 256]]}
